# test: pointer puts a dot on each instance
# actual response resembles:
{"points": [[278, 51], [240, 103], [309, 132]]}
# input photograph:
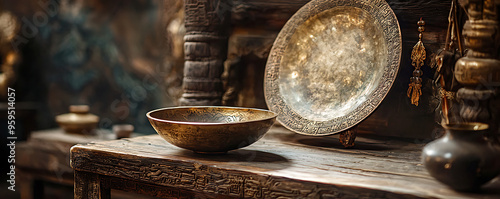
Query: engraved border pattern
{"points": [[384, 15]]}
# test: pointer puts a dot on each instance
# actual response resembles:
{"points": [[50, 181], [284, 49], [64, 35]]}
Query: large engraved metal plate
{"points": [[332, 64]]}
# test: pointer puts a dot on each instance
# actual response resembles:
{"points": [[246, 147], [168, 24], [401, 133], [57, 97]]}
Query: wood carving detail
{"points": [[196, 13], [205, 49], [210, 179], [477, 71]]}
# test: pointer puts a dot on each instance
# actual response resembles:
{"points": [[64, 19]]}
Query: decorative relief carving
{"points": [[196, 13], [199, 177], [205, 49], [206, 12], [475, 71]]}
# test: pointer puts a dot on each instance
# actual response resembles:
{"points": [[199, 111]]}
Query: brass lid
{"points": [[79, 114]]}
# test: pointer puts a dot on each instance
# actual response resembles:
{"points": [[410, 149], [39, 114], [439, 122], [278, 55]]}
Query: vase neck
{"points": [[466, 131], [468, 135]]}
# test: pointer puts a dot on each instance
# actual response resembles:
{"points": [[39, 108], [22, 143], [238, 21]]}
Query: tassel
{"points": [[418, 56]]}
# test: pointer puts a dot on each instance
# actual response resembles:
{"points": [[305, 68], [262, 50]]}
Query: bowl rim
{"points": [[209, 123]]}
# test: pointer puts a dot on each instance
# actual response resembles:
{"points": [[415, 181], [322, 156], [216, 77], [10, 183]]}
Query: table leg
{"points": [[30, 188], [92, 186]]}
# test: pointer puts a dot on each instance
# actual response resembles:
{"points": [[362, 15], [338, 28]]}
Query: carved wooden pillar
{"points": [[479, 70], [205, 49]]}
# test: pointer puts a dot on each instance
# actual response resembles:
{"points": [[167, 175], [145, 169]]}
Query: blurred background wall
{"points": [[123, 58]]}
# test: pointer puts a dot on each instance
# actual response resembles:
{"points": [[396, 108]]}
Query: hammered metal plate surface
{"points": [[332, 64]]}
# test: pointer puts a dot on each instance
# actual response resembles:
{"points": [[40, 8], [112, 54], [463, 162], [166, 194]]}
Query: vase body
{"points": [[462, 159]]}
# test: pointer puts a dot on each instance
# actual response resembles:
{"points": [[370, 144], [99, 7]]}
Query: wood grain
{"points": [[91, 185], [205, 50], [273, 14], [282, 164], [48, 150], [45, 158], [156, 190]]}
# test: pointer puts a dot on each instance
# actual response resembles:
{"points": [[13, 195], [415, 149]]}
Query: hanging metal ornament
{"points": [[417, 56]]}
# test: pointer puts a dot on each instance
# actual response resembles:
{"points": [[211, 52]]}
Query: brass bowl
{"points": [[211, 129]]}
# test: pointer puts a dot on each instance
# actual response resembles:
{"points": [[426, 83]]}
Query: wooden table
{"points": [[45, 158], [281, 165]]}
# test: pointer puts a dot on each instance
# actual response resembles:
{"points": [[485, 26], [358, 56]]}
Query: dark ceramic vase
{"points": [[462, 159]]}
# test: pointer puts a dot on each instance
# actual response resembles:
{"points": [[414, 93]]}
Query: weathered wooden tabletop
{"points": [[53, 145], [282, 164], [45, 158]]}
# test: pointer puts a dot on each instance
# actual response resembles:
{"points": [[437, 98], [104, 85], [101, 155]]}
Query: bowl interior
{"points": [[210, 115]]}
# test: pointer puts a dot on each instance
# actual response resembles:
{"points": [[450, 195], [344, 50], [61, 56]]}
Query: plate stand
{"points": [[348, 137]]}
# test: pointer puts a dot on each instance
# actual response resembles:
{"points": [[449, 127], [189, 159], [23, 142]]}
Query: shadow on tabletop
{"points": [[243, 157], [333, 142]]}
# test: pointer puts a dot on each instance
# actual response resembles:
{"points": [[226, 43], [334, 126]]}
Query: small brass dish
{"points": [[78, 121], [211, 129]]}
